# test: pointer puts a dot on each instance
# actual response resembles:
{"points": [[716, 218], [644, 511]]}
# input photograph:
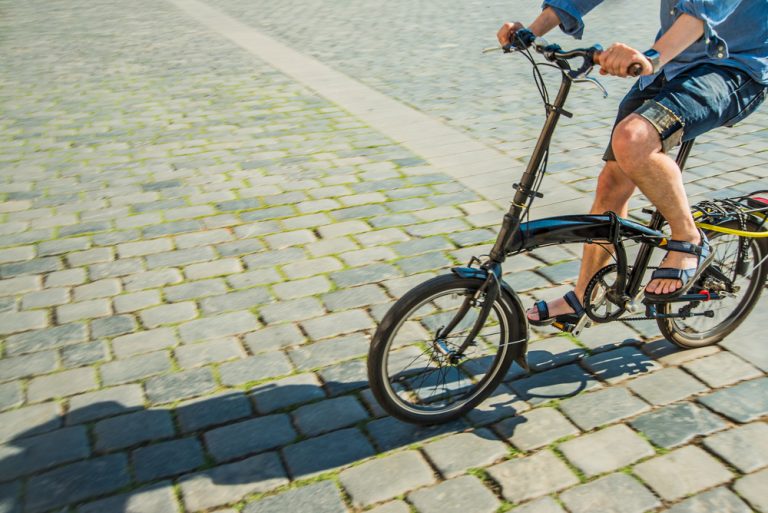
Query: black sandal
{"points": [[686, 276], [569, 318]]}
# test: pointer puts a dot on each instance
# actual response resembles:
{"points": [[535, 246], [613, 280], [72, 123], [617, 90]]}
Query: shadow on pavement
{"points": [[224, 447]]}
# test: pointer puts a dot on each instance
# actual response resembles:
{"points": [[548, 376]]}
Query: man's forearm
{"points": [[545, 22], [685, 31]]}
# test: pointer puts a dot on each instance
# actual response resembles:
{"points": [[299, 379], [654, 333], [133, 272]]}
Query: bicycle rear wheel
{"points": [[412, 371], [733, 308]]}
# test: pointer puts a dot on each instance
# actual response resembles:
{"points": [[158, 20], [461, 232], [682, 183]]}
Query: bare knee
{"points": [[634, 140]]}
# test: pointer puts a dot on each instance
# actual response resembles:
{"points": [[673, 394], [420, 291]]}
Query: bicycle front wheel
{"points": [[731, 310], [414, 370]]}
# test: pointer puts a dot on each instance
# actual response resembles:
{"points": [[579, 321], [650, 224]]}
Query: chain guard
{"points": [[591, 309]]}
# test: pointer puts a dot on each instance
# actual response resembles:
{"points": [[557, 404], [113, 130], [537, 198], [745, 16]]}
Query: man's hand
{"points": [[507, 32], [617, 59]]}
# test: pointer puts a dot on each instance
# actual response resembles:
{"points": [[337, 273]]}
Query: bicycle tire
{"points": [[383, 384], [682, 333]]}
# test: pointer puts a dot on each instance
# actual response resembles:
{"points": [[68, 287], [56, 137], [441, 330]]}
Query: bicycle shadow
{"points": [[223, 448]]}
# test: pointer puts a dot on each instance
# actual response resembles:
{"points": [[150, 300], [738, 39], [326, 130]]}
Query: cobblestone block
{"points": [[324, 353], [216, 268], [20, 285], [453, 455], [345, 377], [422, 245], [458, 495], [302, 288], [203, 353], [527, 280], [501, 403], [720, 499], [168, 314], [180, 385], [180, 257], [425, 262], [318, 418], [15, 322], [109, 327], [682, 472], [606, 450], [747, 345], [288, 239], [608, 337], [255, 368], [666, 386], [745, 447], [10, 395], [144, 247], [385, 236], [620, 364], [537, 428], [677, 424], [227, 484], [531, 477], [132, 429], [332, 231], [195, 290], [743, 403], [30, 455], [668, 353], [274, 337], [239, 247], [167, 459], [116, 269], [173, 228], [76, 482], [157, 498], [272, 258], [337, 323], [35, 266], [61, 384], [218, 326], [135, 368], [45, 298], [143, 342], [84, 354], [82, 310], [136, 301], [29, 421], [240, 300], [405, 471], [306, 268], [50, 338], [10, 497], [295, 310], [322, 497], [250, 436], [554, 384], [722, 369], [602, 407], [615, 493], [287, 392], [104, 403], [553, 352], [369, 274], [752, 488], [254, 278], [152, 279], [212, 410], [28, 365], [61, 246], [389, 433], [355, 297]]}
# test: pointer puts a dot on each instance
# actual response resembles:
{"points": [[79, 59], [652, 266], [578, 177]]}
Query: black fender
{"points": [[578, 229], [520, 348]]}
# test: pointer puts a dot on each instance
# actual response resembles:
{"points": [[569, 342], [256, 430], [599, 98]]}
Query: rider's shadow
{"points": [[222, 448]]}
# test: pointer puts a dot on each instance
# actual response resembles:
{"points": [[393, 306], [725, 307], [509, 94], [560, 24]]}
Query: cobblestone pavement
{"points": [[195, 249]]}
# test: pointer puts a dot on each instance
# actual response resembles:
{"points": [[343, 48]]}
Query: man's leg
{"points": [[614, 189], [637, 146]]}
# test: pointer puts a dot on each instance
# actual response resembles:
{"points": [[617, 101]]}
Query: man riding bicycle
{"points": [[707, 68]]}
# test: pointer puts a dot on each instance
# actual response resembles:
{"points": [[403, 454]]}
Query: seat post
{"points": [[682, 155]]}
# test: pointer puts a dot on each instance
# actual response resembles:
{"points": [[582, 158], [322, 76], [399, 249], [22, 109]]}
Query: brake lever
{"points": [[595, 82]]}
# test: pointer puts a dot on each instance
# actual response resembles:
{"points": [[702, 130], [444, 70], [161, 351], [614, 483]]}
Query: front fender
{"points": [[519, 322]]}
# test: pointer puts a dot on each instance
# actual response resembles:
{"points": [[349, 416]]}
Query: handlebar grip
{"points": [[634, 69]]}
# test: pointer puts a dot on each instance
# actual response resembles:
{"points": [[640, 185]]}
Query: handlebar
{"points": [[524, 38]]}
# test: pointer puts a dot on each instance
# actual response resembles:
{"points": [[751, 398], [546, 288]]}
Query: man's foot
{"points": [[681, 266], [565, 309]]}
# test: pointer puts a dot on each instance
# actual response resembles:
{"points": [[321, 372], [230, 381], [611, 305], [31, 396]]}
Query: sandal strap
{"points": [[667, 273], [682, 246], [543, 309], [573, 302]]}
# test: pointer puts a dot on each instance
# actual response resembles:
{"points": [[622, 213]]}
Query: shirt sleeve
{"points": [[712, 13], [571, 13]]}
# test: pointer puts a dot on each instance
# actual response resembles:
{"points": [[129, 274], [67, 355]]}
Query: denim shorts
{"points": [[692, 103]]}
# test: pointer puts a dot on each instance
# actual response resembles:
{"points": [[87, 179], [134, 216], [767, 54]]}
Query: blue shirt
{"points": [[735, 33]]}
